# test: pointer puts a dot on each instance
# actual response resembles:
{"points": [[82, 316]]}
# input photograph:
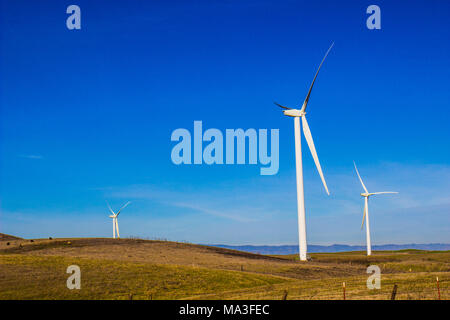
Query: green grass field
{"points": [[118, 269]]}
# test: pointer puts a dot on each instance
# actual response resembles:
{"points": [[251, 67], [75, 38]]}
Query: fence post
{"points": [[343, 288], [439, 291], [394, 292]]}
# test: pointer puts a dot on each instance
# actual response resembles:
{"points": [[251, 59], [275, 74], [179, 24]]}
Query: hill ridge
{"points": [[5, 237]]}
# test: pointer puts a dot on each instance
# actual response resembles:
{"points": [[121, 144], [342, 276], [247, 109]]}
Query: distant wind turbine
{"points": [[114, 219], [366, 196], [297, 114]]}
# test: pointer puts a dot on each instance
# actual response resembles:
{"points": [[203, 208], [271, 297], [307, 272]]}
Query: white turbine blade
{"points": [[384, 192], [364, 215], [117, 229], [310, 142], [126, 204], [312, 84], [110, 208], [360, 178]]}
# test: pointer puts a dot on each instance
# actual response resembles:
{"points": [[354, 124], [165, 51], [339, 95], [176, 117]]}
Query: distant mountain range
{"points": [[293, 249]]}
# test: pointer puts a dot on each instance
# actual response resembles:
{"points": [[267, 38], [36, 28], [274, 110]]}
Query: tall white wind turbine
{"points": [[114, 219], [366, 196], [297, 114]]}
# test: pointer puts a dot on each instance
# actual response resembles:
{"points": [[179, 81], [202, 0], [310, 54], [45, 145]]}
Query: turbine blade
{"points": [[365, 189], [110, 208], [384, 192], [117, 229], [126, 204], [364, 215], [314, 80], [310, 142], [282, 106]]}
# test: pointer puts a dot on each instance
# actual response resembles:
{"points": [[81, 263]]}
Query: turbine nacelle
{"points": [[294, 113]]}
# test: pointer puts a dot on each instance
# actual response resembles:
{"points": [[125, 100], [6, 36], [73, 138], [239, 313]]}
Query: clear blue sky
{"points": [[86, 116]]}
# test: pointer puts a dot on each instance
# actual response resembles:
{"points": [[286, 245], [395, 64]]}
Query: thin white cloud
{"points": [[211, 202], [217, 213], [32, 156]]}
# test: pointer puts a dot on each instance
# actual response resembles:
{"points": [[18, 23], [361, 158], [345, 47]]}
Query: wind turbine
{"points": [[366, 196], [114, 219], [297, 114]]}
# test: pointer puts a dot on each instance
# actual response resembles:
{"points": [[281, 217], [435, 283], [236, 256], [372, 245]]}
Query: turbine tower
{"points": [[366, 196], [297, 114], [114, 219]]}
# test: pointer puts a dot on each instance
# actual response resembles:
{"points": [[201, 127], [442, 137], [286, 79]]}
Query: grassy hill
{"points": [[6, 237], [114, 269]]}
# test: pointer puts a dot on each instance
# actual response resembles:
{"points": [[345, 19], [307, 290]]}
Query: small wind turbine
{"points": [[297, 114], [366, 196], [114, 219]]}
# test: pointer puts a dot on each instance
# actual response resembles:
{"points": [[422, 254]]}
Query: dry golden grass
{"points": [[37, 277], [112, 269]]}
